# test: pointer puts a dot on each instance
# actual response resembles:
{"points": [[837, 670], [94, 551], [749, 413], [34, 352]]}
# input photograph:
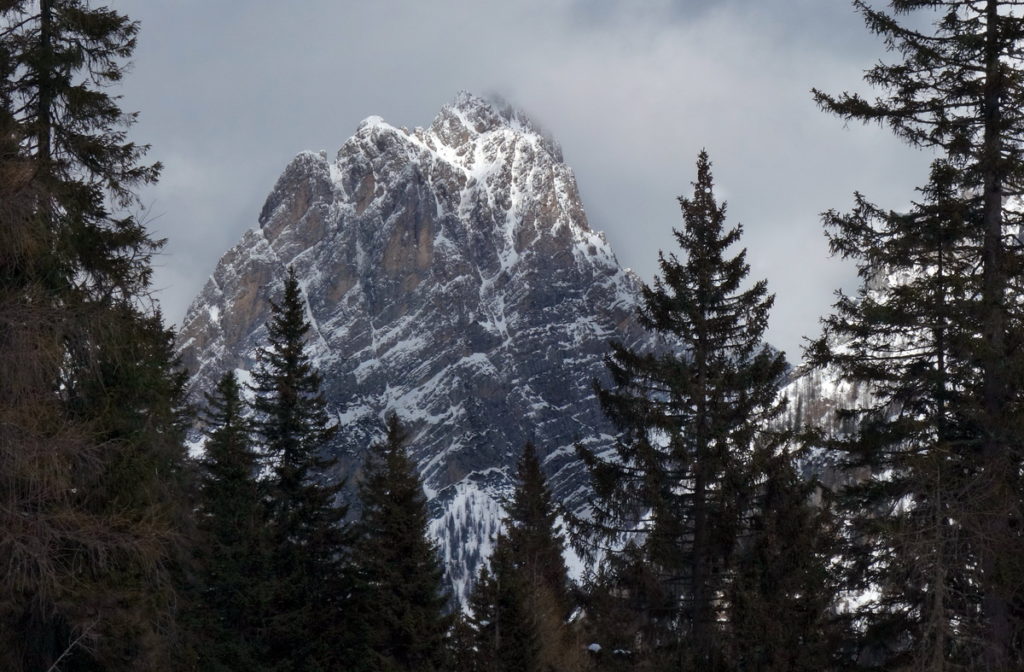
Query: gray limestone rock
{"points": [[451, 276]]}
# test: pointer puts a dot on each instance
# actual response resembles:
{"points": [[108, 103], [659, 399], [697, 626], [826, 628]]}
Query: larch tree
{"points": [[397, 566], [93, 520], [937, 336], [305, 602]]}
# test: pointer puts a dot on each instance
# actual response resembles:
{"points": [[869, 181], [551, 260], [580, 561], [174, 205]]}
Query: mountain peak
{"points": [[372, 121], [450, 276], [468, 117], [482, 114]]}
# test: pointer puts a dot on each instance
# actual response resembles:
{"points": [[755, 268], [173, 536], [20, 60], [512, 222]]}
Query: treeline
{"points": [[283, 581], [708, 548]]}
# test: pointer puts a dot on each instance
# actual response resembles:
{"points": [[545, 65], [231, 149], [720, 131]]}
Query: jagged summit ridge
{"points": [[469, 114], [451, 276]]}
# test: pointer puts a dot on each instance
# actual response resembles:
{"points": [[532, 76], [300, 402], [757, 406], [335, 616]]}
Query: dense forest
{"points": [[709, 547]]}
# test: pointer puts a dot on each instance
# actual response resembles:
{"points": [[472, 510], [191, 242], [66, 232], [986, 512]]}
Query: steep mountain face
{"points": [[451, 276], [813, 396]]}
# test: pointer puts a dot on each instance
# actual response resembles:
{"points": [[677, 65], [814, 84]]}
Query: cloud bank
{"points": [[229, 92]]}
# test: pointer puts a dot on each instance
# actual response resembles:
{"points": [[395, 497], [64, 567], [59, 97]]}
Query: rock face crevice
{"points": [[453, 278]]}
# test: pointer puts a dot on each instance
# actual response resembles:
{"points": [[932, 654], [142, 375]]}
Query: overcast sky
{"points": [[228, 91]]}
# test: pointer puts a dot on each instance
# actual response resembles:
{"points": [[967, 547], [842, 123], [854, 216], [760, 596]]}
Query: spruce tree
{"points": [[781, 600], [903, 336], [535, 536], [398, 568], [936, 336], [232, 547], [304, 615], [690, 415], [627, 606], [521, 603], [462, 644], [92, 465], [507, 633]]}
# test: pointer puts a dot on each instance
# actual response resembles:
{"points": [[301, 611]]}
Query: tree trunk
{"points": [[995, 509], [44, 106]]}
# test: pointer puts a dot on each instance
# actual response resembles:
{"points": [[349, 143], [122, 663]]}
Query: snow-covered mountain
{"points": [[813, 396], [450, 276]]}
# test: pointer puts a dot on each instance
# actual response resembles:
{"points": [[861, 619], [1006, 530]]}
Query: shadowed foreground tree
{"points": [[936, 336], [675, 503], [232, 547], [93, 517], [782, 597], [398, 568], [505, 633], [536, 546], [520, 605], [303, 623], [903, 336]]}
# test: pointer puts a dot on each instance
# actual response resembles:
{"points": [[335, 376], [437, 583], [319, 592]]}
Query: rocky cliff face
{"points": [[451, 276]]}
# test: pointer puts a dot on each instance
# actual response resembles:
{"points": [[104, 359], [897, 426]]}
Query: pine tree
{"points": [[397, 566], [938, 343], [232, 545], [92, 464], [690, 416], [304, 618]]}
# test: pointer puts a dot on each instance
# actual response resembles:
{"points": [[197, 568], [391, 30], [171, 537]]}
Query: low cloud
{"points": [[632, 91]]}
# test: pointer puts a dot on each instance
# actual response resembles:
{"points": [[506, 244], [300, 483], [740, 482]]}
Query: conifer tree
{"points": [[304, 618], [534, 534], [232, 547], [936, 336], [903, 335], [521, 603], [627, 606], [462, 644], [93, 518], [782, 596], [398, 568], [690, 416], [507, 633]]}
